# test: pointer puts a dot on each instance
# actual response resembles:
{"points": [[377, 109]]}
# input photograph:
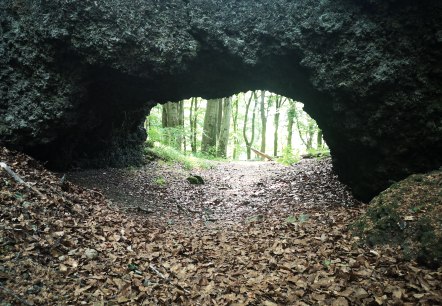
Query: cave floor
{"points": [[254, 234], [234, 192]]}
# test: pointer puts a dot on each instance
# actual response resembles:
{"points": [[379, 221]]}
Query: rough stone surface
{"points": [[78, 76], [409, 214]]}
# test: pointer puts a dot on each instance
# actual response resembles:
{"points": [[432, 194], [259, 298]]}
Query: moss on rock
{"points": [[409, 214]]}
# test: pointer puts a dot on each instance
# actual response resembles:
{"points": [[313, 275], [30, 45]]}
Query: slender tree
{"points": [[183, 141], [171, 124], [219, 119], [263, 122], [311, 130], [279, 102], [193, 119], [298, 125], [249, 142], [235, 126], [208, 143], [290, 118], [225, 127], [319, 142]]}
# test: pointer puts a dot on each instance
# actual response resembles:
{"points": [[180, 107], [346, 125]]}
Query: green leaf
{"points": [[132, 267], [291, 220], [303, 217]]}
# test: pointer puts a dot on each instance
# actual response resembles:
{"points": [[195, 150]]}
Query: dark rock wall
{"points": [[77, 77]]}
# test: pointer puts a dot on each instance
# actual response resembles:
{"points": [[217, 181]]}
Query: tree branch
{"points": [[18, 179]]}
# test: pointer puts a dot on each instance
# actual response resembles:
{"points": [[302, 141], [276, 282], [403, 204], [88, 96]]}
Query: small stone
{"points": [[91, 253], [26, 204], [195, 180]]}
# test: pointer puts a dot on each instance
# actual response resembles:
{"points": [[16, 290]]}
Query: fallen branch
{"points": [[15, 296], [18, 179], [14, 175], [158, 272], [263, 155], [167, 279]]}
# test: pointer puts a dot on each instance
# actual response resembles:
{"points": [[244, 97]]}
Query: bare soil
{"points": [[234, 191]]}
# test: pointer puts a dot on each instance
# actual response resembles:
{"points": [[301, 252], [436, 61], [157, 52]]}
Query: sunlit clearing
{"points": [[256, 125]]}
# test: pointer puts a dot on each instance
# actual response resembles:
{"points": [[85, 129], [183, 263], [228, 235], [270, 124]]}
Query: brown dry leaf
{"points": [[269, 303], [318, 296], [267, 260], [340, 301], [360, 293]]}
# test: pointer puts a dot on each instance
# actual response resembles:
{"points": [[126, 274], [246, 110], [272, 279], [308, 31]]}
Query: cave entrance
{"points": [[237, 150], [252, 125]]}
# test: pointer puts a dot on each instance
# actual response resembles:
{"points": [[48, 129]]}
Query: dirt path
{"points": [[235, 191]]}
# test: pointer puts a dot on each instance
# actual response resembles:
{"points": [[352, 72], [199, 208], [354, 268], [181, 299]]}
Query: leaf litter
{"points": [[253, 234]]}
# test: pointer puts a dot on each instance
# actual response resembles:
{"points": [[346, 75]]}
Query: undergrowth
{"points": [[318, 153], [171, 155], [289, 157]]}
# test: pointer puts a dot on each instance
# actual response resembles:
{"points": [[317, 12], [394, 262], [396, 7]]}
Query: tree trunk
{"points": [[319, 142], [195, 122], [171, 124], [235, 128], [192, 131], [310, 133], [252, 138], [225, 127], [279, 102], [298, 125], [208, 143], [181, 124], [263, 123], [219, 119], [164, 115], [275, 135], [244, 130], [290, 117]]}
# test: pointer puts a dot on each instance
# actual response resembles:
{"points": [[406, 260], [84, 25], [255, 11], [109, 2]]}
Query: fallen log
{"points": [[259, 153]]}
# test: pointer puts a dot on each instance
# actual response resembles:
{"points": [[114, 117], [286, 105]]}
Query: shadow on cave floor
{"points": [[232, 192]]}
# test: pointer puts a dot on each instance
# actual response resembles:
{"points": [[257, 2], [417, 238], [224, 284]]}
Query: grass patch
{"points": [[160, 181], [317, 153], [289, 157], [171, 156]]}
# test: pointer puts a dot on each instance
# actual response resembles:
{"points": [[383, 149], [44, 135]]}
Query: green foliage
{"points": [[188, 135], [303, 218], [300, 219], [160, 181], [318, 153], [289, 157], [208, 156], [171, 155], [327, 263], [291, 219], [195, 180]]}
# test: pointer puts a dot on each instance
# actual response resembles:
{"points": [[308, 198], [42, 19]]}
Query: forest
{"points": [[256, 125]]}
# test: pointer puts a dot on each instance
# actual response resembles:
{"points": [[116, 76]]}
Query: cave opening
{"points": [[251, 125]]}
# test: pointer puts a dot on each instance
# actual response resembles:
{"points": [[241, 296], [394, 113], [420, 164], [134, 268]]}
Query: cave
{"points": [[78, 77]]}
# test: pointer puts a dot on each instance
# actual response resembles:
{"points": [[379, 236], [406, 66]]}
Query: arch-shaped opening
{"points": [[79, 94], [253, 125], [105, 127]]}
